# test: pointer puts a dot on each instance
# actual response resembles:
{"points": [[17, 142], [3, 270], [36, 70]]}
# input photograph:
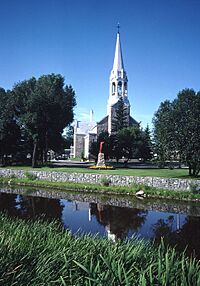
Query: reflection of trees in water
{"points": [[30, 207], [8, 204], [119, 220], [37, 207], [163, 228], [187, 236]]}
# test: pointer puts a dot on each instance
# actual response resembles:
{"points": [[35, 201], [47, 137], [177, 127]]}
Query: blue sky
{"points": [[160, 44]]}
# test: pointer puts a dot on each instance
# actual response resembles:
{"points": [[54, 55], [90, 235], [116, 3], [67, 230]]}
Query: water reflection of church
{"points": [[178, 230], [118, 222]]}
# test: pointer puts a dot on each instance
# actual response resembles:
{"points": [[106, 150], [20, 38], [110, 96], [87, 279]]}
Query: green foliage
{"points": [[146, 144], [94, 148], [128, 142], [41, 253], [194, 188], [132, 142], [176, 130], [82, 156], [45, 108], [9, 129], [30, 176], [105, 182], [120, 120], [13, 176]]}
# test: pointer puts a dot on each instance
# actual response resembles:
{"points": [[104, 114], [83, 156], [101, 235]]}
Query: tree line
{"points": [[32, 118], [34, 113]]}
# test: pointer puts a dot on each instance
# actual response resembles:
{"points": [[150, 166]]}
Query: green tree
{"points": [[176, 129], [120, 119], [145, 144], [128, 141], [114, 149], [164, 131], [45, 108], [9, 129], [94, 149]]}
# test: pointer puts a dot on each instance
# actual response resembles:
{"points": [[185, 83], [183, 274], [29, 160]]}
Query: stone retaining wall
{"points": [[117, 180]]}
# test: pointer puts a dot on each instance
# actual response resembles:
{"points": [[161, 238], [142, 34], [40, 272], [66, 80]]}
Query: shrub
{"points": [[30, 176], [105, 182], [13, 176], [83, 159], [194, 188]]}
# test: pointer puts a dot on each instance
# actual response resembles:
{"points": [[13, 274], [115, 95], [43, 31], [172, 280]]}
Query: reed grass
{"points": [[40, 253]]}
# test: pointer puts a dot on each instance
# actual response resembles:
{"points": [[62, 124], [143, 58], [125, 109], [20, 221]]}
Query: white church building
{"points": [[87, 132]]}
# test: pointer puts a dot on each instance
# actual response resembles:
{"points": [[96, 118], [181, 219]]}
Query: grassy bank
{"points": [[41, 253], [165, 173], [100, 188]]}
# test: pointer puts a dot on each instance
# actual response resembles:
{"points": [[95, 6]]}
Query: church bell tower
{"points": [[118, 85]]}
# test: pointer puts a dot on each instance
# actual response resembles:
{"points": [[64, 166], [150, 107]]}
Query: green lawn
{"points": [[165, 173]]}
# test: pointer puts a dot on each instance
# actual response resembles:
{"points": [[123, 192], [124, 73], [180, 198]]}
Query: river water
{"points": [[114, 217]]}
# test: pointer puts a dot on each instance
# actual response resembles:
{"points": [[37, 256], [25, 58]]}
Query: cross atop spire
{"points": [[118, 27]]}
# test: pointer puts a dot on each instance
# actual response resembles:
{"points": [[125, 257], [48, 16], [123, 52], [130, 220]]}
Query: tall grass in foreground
{"points": [[41, 253]]}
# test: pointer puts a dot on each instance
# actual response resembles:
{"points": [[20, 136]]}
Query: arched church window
{"points": [[119, 87], [113, 87]]}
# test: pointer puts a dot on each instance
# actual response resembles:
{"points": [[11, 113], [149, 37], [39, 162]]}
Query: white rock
{"points": [[140, 193]]}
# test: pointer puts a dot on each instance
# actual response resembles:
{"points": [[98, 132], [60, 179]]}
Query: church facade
{"points": [[118, 89]]}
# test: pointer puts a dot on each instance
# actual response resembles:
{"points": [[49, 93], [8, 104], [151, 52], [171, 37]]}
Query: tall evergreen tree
{"points": [[120, 119]]}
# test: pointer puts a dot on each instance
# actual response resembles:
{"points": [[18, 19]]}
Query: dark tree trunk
{"points": [[195, 171], [190, 170], [42, 156], [46, 148], [34, 154], [45, 156], [2, 161]]}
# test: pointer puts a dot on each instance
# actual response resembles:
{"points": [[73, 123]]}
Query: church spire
{"points": [[118, 85], [118, 60]]}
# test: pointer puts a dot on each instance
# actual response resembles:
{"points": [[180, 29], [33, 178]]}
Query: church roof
{"points": [[84, 127], [118, 64], [103, 120], [132, 121]]}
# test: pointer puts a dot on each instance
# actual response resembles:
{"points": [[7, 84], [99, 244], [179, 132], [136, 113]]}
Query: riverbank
{"points": [[99, 176], [42, 253], [100, 188]]}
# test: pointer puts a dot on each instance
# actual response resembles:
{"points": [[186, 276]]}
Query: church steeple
{"points": [[118, 60], [118, 84]]}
